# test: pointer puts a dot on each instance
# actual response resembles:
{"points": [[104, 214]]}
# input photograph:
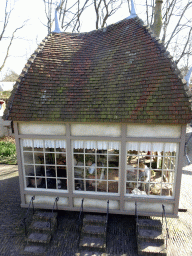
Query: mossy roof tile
{"points": [[120, 74]]}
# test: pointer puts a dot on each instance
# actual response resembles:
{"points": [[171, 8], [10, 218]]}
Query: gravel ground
{"points": [[121, 235]]}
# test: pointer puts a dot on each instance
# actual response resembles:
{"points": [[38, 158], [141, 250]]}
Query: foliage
{"points": [[8, 151], [5, 94]]}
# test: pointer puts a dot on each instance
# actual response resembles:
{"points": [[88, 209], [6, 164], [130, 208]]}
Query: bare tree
{"points": [[174, 25], [7, 15]]}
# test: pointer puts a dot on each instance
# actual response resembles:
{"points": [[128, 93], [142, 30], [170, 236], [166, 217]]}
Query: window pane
{"points": [[29, 170], [62, 184], [155, 189], [79, 185], [78, 160], [90, 185], [169, 163], [27, 149], [102, 160], [61, 150], [28, 158], [90, 172], [60, 159], [168, 177], [50, 171], [167, 189], [89, 160], [40, 170], [40, 182], [61, 172], [113, 174], [89, 150], [113, 161], [132, 175], [50, 158], [112, 187], [101, 174], [79, 172], [39, 158], [51, 183], [101, 186]]}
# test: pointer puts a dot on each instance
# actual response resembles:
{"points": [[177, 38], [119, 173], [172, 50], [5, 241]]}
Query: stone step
{"points": [[152, 249], [150, 224], [90, 253], [94, 230], [45, 215], [35, 250], [39, 238], [91, 243], [94, 219], [42, 226], [150, 235]]}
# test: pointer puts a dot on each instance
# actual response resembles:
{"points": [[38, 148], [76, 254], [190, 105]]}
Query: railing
{"points": [[26, 215], [80, 220], [54, 205], [185, 149], [167, 230], [136, 218], [106, 222]]}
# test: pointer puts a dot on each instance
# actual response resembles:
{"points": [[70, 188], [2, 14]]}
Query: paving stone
{"points": [[152, 249], [34, 249], [150, 234], [89, 253], [90, 218], [40, 225], [150, 224], [39, 238], [45, 215], [92, 242], [92, 229]]}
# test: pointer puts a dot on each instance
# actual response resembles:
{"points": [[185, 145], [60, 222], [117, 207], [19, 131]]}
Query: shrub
{"points": [[7, 148]]}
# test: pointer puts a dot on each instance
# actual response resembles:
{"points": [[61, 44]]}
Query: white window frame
{"points": [[57, 178], [96, 179], [162, 170]]}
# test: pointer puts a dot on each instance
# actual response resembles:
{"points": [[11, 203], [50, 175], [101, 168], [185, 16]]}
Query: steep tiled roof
{"points": [[120, 73]]}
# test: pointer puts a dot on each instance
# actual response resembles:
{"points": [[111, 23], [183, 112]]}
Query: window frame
{"points": [[162, 170], [106, 167], [45, 165]]}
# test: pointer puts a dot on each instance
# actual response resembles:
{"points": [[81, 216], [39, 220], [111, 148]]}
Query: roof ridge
{"points": [[22, 76]]}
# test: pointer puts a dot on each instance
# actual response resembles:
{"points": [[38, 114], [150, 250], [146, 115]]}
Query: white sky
{"points": [[34, 31]]}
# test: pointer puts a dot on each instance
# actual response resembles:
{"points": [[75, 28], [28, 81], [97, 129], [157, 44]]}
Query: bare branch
{"points": [[9, 46], [185, 46]]}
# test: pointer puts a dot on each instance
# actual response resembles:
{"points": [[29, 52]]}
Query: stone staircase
{"points": [[40, 232], [150, 240], [93, 236]]}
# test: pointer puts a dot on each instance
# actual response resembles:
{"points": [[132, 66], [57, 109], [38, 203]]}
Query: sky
{"points": [[34, 31]]}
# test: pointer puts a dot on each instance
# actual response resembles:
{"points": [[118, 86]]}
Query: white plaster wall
{"points": [[5, 127], [47, 200], [148, 207], [96, 203], [95, 130], [157, 131], [42, 129]]}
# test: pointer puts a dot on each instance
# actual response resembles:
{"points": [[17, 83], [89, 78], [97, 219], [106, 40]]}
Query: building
{"points": [[101, 116]]}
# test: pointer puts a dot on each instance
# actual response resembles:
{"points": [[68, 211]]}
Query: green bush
{"points": [[7, 148]]}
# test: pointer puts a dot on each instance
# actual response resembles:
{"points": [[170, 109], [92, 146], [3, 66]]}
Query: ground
{"points": [[121, 235]]}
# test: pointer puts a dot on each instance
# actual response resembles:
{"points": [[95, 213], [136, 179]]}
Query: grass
{"points": [[8, 153]]}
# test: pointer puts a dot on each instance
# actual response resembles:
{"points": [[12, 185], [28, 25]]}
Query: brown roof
{"points": [[120, 73]]}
